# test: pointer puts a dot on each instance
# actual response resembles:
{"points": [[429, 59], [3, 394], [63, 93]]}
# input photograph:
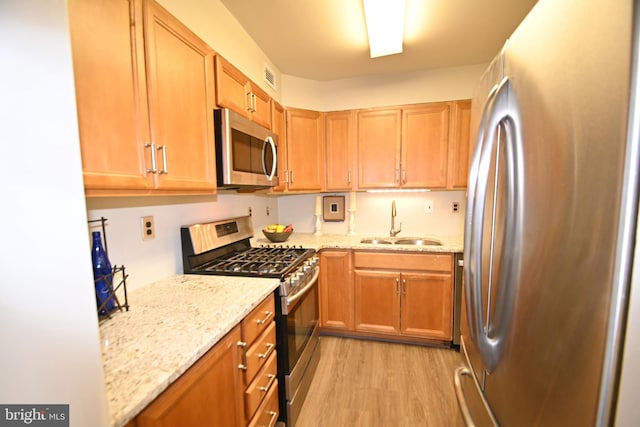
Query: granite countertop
{"points": [[170, 324], [336, 241], [173, 322]]}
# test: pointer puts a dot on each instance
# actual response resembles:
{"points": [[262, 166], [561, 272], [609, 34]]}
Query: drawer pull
{"points": [[273, 415], [267, 353], [243, 345], [268, 315], [272, 378]]}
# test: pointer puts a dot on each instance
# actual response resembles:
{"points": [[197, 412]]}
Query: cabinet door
{"points": [[108, 62], [379, 148], [426, 306], [425, 142], [336, 290], [208, 394], [339, 146], [180, 79], [458, 165], [231, 90], [261, 110], [277, 126], [377, 301], [305, 149]]}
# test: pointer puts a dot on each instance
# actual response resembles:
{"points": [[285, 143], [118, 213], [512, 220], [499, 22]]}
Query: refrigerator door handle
{"points": [[501, 112], [469, 421]]}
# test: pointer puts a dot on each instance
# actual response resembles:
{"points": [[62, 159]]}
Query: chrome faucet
{"points": [[393, 231]]}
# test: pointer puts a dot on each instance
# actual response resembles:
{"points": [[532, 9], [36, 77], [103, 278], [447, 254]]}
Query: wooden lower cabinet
{"points": [[208, 394], [234, 384], [404, 295], [336, 290]]}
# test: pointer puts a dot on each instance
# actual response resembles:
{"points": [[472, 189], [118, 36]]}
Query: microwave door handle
{"points": [[269, 142]]}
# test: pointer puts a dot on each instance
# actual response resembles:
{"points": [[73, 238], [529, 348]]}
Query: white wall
{"points": [[146, 261], [444, 84], [50, 352]]}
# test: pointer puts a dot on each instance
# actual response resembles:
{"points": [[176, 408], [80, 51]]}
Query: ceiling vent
{"points": [[270, 77]]}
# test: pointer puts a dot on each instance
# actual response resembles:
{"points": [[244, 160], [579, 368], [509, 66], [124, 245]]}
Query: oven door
{"points": [[303, 349]]}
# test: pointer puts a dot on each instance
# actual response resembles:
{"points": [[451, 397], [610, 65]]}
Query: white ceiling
{"points": [[327, 39]]}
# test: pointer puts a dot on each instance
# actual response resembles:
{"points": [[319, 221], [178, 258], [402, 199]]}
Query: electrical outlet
{"points": [[428, 206], [455, 208], [148, 228], [250, 211]]}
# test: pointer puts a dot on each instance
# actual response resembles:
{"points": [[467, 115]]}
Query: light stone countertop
{"points": [[170, 324], [337, 241], [173, 322]]}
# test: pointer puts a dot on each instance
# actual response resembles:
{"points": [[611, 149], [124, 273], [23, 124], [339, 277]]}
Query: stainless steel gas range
{"points": [[224, 248]]}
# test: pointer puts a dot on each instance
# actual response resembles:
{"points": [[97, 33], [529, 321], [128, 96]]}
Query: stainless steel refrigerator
{"points": [[551, 219]]}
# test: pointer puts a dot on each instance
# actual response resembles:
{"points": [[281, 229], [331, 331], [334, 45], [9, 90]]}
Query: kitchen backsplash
{"points": [[149, 260]]}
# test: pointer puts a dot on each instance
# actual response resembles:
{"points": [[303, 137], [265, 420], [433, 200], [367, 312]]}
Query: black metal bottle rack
{"points": [[118, 276]]}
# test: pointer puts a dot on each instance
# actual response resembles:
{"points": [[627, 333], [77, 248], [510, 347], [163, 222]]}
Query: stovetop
{"points": [[268, 261], [224, 248]]}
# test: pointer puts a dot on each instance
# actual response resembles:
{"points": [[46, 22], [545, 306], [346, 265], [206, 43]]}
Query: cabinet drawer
{"points": [[259, 352], [258, 320], [267, 415], [403, 261], [261, 386]]}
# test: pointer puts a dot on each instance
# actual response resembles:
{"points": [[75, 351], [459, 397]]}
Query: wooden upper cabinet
{"points": [[305, 149], [180, 84], [235, 91], [278, 127], [108, 60], [340, 143], [144, 97], [425, 142], [459, 145], [378, 151]]}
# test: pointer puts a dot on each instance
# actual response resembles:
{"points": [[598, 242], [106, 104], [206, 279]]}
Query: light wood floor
{"points": [[369, 384]]}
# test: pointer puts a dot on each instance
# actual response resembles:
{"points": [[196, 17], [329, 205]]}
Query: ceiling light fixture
{"points": [[385, 26]]}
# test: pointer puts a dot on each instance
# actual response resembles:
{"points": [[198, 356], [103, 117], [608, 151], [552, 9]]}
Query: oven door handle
{"points": [[306, 289]]}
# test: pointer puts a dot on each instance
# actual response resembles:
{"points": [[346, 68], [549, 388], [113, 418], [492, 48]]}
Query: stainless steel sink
{"points": [[419, 241], [376, 241]]}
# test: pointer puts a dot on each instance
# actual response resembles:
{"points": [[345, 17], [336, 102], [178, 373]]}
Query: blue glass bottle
{"points": [[102, 275]]}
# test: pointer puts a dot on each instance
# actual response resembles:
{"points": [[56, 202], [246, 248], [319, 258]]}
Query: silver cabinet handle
{"points": [[291, 180], [404, 176], [398, 176], [163, 149], [501, 113], [267, 316], [249, 105], [243, 345], [154, 165], [404, 286], [266, 354], [266, 388], [272, 418], [349, 177], [397, 286]]}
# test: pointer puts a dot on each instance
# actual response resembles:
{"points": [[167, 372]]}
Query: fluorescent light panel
{"points": [[385, 26]]}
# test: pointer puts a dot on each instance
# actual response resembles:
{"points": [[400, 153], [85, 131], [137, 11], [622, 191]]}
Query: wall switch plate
{"points": [[428, 206], [148, 228]]}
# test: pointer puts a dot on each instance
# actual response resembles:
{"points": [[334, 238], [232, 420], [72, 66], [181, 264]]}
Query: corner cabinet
{"points": [[305, 150], [235, 91], [404, 295], [278, 127], [145, 125], [340, 141], [458, 166]]}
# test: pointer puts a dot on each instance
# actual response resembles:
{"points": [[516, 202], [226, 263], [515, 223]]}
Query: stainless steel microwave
{"points": [[246, 153]]}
